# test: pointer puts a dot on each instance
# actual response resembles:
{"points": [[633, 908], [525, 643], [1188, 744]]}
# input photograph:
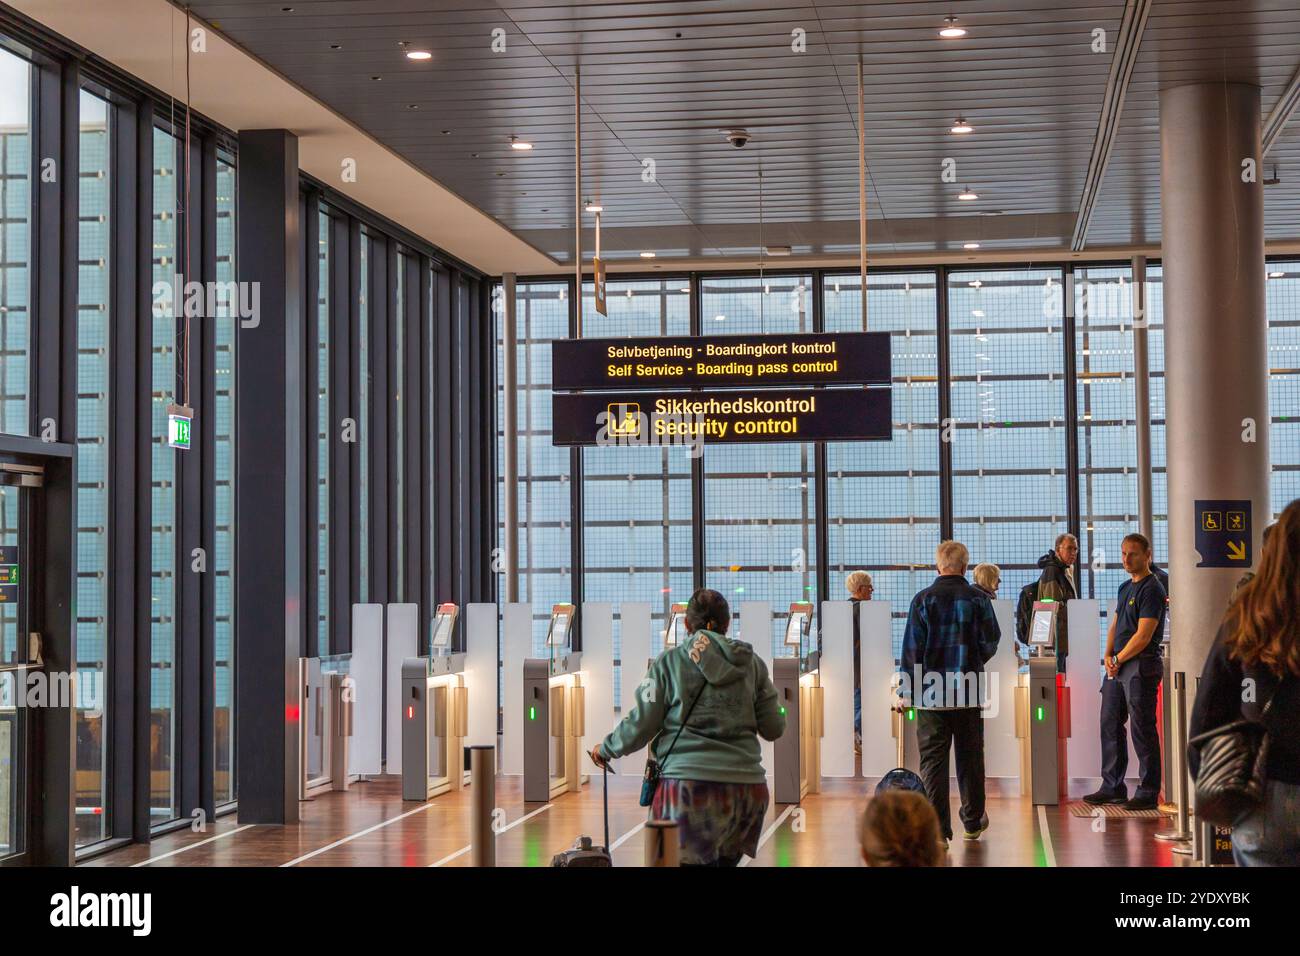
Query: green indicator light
{"points": [[532, 713], [911, 713], [783, 711], [1040, 713]]}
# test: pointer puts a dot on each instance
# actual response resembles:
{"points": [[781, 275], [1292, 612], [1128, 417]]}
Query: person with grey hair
{"points": [[951, 634], [860, 588], [1056, 583]]}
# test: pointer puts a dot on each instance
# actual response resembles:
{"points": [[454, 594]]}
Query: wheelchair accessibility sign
{"points": [[1223, 533]]}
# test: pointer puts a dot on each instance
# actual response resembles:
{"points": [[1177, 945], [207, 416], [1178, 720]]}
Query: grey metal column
{"points": [[510, 423], [1142, 396], [268, 489], [1216, 362]]}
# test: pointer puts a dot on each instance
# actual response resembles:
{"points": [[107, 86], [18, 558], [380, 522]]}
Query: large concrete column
{"points": [[1216, 339]]}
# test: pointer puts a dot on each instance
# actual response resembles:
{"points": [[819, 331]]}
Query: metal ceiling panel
{"points": [[661, 81]]}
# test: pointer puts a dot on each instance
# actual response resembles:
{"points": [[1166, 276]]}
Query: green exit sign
{"points": [[179, 425]]}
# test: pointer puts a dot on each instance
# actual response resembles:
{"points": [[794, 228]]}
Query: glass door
{"points": [[21, 683]]}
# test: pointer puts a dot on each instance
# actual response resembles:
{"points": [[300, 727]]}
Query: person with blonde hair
{"points": [[987, 578], [900, 828], [860, 588], [951, 634]]}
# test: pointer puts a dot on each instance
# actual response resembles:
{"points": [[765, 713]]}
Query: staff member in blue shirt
{"points": [[1133, 671]]}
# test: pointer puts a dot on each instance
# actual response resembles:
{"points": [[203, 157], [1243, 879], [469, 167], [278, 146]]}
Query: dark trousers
{"points": [[1130, 698], [936, 732]]}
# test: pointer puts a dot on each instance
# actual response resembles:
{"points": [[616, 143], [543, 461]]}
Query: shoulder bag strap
{"points": [[689, 711]]}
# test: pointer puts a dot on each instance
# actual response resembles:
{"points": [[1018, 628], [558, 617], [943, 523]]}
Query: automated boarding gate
{"points": [[1043, 713], [325, 699], [435, 718], [554, 714], [675, 632], [902, 720], [796, 754]]}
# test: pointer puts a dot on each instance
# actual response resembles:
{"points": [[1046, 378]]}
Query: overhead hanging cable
{"points": [[181, 222]]}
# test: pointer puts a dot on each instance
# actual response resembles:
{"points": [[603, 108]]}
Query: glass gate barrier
{"points": [[13, 737], [318, 714]]}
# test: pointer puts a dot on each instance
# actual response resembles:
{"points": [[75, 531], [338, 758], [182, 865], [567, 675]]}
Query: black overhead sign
{"points": [[9, 575], [739, 415], [813, 358]]}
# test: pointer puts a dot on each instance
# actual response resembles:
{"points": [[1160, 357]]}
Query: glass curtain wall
{"points": [[15, 244], [396, 381], [636, 521], [15, 282], [364, 384], [1009, 484], [93, 468], [323, 460], [1283, 297], [163, 512], [545, 546], [1107, 411], [882, 498], [760, 524], [225, 333]]}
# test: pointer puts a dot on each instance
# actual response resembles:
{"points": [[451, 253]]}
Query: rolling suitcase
{"points": [[583, 853]]}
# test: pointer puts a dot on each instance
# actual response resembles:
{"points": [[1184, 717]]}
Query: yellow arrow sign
{"points": [[1236, 551]]}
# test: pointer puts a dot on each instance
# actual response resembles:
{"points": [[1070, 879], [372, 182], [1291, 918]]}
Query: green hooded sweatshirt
{"points": [[719, 743]]}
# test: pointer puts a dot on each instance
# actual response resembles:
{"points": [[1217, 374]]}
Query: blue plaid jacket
{"points": [[950, 629]]}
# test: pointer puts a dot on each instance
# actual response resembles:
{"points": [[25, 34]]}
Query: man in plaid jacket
{"points": [[951, 634]]}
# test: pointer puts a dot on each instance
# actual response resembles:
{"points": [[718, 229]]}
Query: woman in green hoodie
{"points": [[701, 709]]}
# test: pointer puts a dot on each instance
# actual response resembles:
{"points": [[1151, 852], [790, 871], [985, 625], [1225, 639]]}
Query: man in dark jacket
{"points": [[951, 634], [1056, 582]]}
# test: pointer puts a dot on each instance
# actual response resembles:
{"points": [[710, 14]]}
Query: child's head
{"points": [[900, 828]]}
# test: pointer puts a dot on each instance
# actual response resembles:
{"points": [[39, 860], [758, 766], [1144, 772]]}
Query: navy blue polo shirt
{"points": [[1139, 599]]}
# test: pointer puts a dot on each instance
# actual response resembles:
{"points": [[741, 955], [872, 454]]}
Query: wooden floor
{"points": [[370, 825]]}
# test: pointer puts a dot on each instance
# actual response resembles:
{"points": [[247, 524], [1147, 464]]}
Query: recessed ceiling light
{"points": [[286, 9], [376, 77], [419, 55], [595, 207], [412, 106], [778, 250], [971, 245], [446, 132], [968, 194], [685, 289], [719, 318], [978, 313], [647, 255], [336, 46], [1276, 275], [961, 126], [517, 143], [950, 29]]}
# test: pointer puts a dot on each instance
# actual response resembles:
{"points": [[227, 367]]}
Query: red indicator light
{"points": [[291, 713], [410, 711]]}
